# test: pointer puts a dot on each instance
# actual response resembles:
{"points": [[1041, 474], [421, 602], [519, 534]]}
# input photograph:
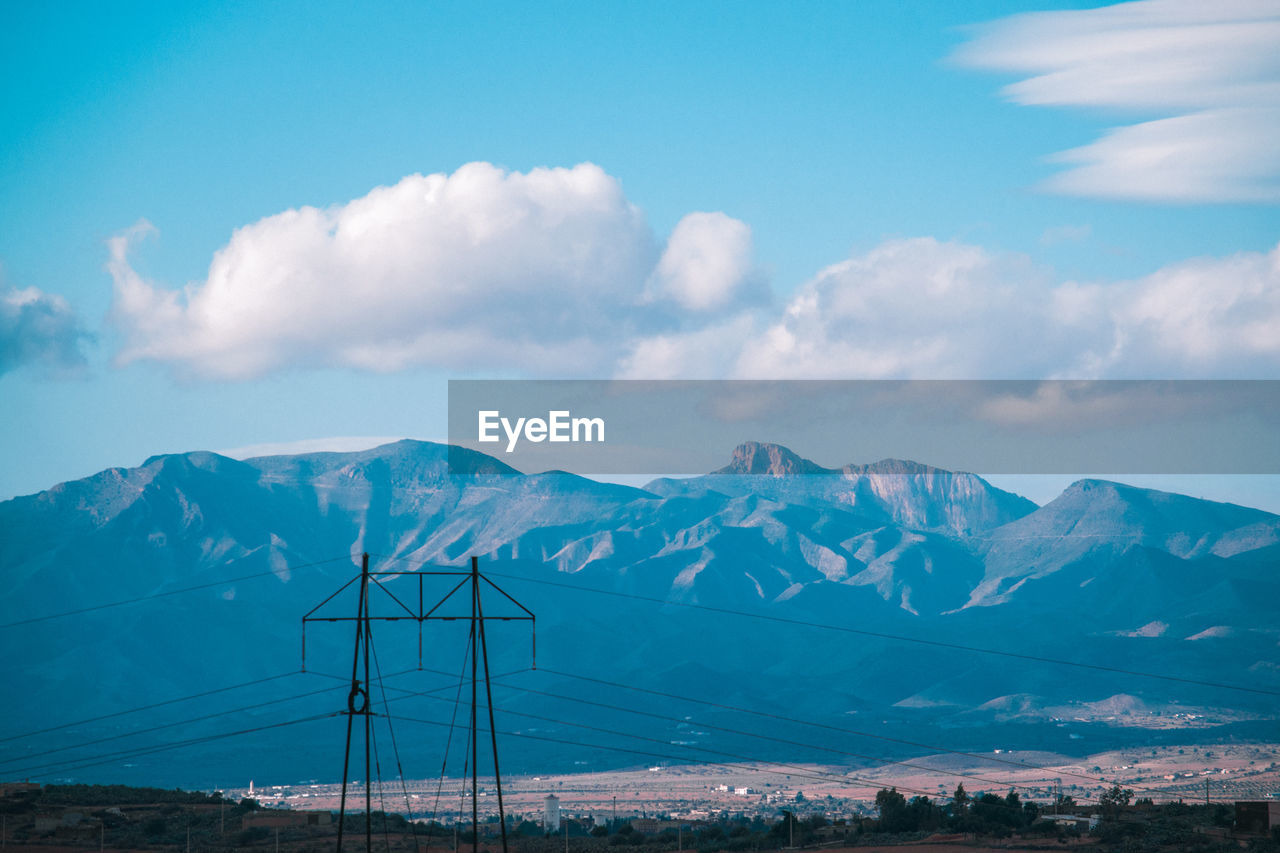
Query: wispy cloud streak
{"points": [[1203, 78]]}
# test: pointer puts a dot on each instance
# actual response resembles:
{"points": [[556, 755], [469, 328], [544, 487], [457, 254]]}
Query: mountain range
{"points": [[852, 596]]}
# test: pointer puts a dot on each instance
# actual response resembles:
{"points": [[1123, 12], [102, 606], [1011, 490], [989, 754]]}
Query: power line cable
{"points": [[444, 761], [109, 757], [185, 722], [841, 729], [150, 707], [703, 724], [827, 777], [167, 593], [617, 733], [894, 637], [462, 780], [395, 749], [579, 700], [940, 771], [686, 759], [848, 630], [382, 801], [143, 750]]}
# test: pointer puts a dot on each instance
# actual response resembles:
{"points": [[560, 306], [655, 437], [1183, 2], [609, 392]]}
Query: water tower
{"points": [[551, 813]]}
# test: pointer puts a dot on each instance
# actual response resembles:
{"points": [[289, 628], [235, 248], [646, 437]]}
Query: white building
{"points": [[551, 813]]}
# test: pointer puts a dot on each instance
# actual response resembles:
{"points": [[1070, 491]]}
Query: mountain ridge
{"points": [[889, 548]]}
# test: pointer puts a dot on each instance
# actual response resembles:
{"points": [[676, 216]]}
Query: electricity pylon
{"points": [[358, 698]]}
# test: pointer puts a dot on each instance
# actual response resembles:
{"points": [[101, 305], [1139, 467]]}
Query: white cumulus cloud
{"points": [[39, 329], [927, 309], [913, 308], [1201, 317], [704, 352], [706, 263], [1203, 77], [544, 271], [555, 272]]}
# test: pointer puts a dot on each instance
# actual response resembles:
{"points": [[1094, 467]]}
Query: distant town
{"points": [[693, 792], [654, 808]]}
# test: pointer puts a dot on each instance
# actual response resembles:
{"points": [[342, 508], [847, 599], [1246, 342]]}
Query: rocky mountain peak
{"points": [[773, 460]]}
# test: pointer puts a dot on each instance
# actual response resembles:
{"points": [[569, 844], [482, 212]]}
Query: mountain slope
{"points": [[772, 544], [1095, 522]]}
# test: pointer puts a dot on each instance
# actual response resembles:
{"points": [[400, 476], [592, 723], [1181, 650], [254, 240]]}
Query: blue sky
{"points": [[747, 189]]}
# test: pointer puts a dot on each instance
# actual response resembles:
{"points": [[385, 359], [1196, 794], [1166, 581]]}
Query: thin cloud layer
{"points": [[1204, 77], [545, 271], [39, 329]]}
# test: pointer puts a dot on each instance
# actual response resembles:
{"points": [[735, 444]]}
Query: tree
{"points": [[959, 801], [1114, 799], [991, 813], [924, 813], [893, 811], [815, 821]]}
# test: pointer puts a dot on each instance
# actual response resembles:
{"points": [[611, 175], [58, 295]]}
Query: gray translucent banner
{"points": [[616, 427]]}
